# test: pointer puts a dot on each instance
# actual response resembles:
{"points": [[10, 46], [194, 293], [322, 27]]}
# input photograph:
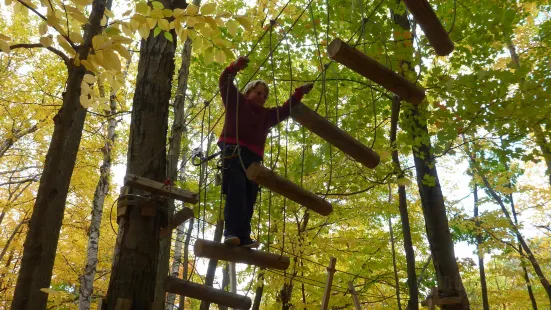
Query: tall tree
{"points": [[45, 224], [479, 253], [135, 260]]}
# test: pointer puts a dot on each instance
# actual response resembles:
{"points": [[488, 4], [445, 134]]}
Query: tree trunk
{"points": [[175, 269], [186, 258], [413, 302], [396, 279], [258, 292], [432, 201], [483, 286], [174, 155], [211, 270], [226, 282], [43, 235], [134, 269]]}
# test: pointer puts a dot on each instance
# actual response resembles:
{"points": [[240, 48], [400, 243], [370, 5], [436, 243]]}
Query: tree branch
{"points": [[59, 53]]}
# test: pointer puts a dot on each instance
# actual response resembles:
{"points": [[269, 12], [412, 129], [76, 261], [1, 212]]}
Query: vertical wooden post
{"points": [[233, 279], [330, 273], [354, 296]]}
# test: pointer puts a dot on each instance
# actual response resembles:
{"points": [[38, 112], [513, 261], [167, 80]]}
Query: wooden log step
{"points": [[204, 292], [269, 179], [177, 219], [432, 27], [232, 253], [160, 189], [334, 135], [373, 70]]}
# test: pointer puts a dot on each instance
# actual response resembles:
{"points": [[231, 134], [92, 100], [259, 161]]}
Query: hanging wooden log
{"points": [[160, 189], [334, 135], [269, 179], [432, 27], [355, 300], [373, 70], [177, 219], [232, 253], [204, 292]]}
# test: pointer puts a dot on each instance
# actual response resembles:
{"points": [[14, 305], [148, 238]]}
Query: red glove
{"points": [[240, 64], [302, 90]]}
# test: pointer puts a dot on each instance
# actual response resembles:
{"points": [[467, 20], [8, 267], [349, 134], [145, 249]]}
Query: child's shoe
{"points": [[231, 240], [250, 243]]}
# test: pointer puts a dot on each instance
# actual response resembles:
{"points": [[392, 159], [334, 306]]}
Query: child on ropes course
{"points": [[246, 127]]}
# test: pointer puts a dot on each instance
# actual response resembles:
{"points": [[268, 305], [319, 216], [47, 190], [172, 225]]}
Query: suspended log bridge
{"points": [[432, 27], [269, 179], [232, 253], [160, 189], [357, 61], [334, 135], [204, 292], [177, 219]]}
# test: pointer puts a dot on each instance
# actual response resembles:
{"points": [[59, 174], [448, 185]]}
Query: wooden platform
{"points": [[204, 292], [373, 70], [232, 253], [177, 219], [432, 27], [434, 300], [160, 189], [334, 135], [269, 179]]}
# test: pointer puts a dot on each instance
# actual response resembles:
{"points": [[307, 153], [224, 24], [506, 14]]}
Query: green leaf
{"points": [[157, 5], [168, 36], [157, 31]]}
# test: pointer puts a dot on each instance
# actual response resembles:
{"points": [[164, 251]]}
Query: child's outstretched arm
{"points": [[279, 114], [228, 91]]}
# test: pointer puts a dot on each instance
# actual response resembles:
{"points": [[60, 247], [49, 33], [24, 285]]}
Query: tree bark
{"points": [[43, 235], [16, 135], [135, 259], [175, 148], [413, 302], [396, 279], [483, 286], [226, 282], [186, 258], [258, 292], [432, 201]]}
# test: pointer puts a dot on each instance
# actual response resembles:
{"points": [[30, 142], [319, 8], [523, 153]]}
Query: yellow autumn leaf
{"points": [[220, 56], [221, 42], [208, 8], [164, 25], [89, 78], [178, 13], [167, 13], [152, 22], [42, 29], [183, 35], [208, 55], [223, 14], [126, 29], [49, 291], [219, 22], [112, 60], [84, 88], [97, 41], [232, 27], [47, 41], [143, 8], [85, 101], [103, 21], [76, 37], [192, 9], [156, 13], [108, 13], [144, 31], [140, 19], [122, 51], [81, 18], [244, 21], [4, 38], [4, 46], [65, 45], [192, 21]]}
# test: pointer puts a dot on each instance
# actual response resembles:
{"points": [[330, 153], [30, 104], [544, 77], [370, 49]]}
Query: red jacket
{"points": [[254, 121]]}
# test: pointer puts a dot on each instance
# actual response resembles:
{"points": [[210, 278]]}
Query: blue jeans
{"points": [[239, 190]]}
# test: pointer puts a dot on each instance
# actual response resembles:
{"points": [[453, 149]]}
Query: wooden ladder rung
{"points": [[269, 179], [160, 189], [432, 27], [334, 135], [373, 70], [204, 292], [232, 253], [177, 219]]}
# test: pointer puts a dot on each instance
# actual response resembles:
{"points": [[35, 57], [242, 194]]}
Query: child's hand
{"points": [[306, 88], [241, 63]]}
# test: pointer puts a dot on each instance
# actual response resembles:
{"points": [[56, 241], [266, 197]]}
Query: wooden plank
{"points": [[432, 27], [334, 135], [177, 219], [373, 70], [354, 295], [231, 253], [158, 188], [204, 292], [329, 283], [269, 179]]}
